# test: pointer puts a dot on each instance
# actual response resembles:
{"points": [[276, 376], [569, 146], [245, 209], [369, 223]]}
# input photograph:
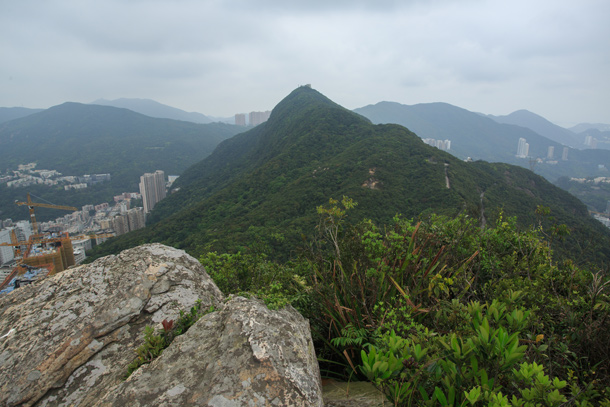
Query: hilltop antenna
{"points": [[533, 163]]}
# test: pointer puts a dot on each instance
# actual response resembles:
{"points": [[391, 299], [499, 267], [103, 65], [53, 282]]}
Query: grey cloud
{"points": [[219, 57]]}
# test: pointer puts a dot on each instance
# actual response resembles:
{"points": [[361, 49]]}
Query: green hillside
{"points": [[541, 126], [481, 138], [77, 139], [263, 186], [471, 134], [12, 113]]}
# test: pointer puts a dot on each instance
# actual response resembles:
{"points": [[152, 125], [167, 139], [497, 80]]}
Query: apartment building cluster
{"points": [[27, 175], [523, 148], [100, 220], [523, 151], [590, 142], [444, 145], [254, 118], [117, 219]]}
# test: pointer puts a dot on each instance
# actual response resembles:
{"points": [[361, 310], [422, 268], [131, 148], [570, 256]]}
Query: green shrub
{"points": [[154, 344], [481, 304]]}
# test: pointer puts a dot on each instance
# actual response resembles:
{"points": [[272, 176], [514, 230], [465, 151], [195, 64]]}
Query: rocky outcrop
{"points": [[243, 355], [353, 394], [67, 339]]}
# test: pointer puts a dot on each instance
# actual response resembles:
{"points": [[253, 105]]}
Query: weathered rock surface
{"points": [[353, 394], [242, 355], [67, 339]]}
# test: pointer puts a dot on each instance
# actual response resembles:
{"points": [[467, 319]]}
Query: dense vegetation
{"points": [[594, 195], [263, 185], [77, 139], [441, 312], [455, 302]]}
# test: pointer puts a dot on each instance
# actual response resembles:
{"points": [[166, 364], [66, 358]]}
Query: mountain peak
{"points": [[523, 112], [304, 101]]}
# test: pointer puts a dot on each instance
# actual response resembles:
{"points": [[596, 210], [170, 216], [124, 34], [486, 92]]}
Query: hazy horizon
{"points": [[220, 58]]}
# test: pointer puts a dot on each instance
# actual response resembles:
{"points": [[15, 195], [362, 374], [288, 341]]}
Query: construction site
{"points": [[41, 254]]}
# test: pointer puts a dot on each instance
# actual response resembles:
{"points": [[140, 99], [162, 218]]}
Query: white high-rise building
{"points": [[523, 148], [24, 230], [152, 188], [240, 119], [256, 118], [136, 219], [6, 252], [550, 153]]}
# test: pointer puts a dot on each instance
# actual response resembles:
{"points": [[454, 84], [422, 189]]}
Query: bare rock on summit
{"points": [[67, 339], [242, 355]]}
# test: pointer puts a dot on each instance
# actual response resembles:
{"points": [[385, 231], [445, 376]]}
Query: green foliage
{"points": [[267, 183], [151, 348], [477, 365], [253, 274], [439, 311], [444, 312], [154, 344]]}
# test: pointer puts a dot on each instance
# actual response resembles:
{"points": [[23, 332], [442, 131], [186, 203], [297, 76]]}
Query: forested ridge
{"points": [[77, 139], [442, 282], [263, 185]]}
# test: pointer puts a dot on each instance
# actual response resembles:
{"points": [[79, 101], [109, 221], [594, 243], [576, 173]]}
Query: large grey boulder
{"points": [[66, 340], [242, 355]]}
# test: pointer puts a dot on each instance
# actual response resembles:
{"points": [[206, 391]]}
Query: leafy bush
{"points": [[444, 312], [440, 311], [253, 274], [154, 344]]}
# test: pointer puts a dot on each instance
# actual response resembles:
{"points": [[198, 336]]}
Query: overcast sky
{"points": [[218, 58]]}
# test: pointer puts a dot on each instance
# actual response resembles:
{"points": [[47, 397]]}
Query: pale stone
{"points": [[241, 355], [67, 339]]}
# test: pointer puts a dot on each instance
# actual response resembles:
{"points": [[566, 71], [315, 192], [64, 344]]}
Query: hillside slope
{"points": [[264, 185], [481, 138], [77, 139], [471, 134], [12, 113], [542, 126], [155, 109]]}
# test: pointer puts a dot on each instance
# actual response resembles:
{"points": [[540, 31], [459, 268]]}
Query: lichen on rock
{"points": [[72, 334], [244, 354]]}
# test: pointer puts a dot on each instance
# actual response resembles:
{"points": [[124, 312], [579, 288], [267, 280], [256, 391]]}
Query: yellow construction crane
{"points": [[31, 205], [57, 239], [15, 242]]}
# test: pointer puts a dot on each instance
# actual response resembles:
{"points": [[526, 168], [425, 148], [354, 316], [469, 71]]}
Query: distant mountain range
{"points": [[155, 109], [77, 139], [483, 138], [471, 134], [263, 186], [541, 126], [475, 135], [11, 113], [579, 128]]}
